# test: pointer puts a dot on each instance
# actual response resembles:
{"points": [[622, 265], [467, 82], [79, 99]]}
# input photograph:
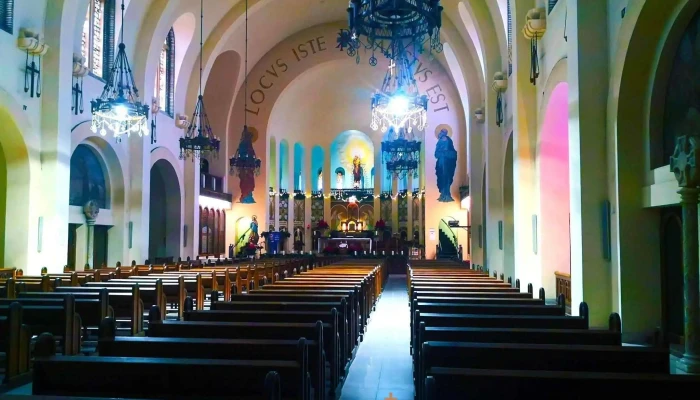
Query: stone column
{"points": [[91, 210], [684, 165]]}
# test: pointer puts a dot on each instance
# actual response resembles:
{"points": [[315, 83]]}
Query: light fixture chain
{"points": [[201, 42], [245, 78]]}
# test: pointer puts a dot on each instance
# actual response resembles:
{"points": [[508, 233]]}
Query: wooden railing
{"points": [[563, 283]]}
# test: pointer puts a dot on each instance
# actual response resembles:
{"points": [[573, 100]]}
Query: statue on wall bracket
{"points": [[445, 164]]}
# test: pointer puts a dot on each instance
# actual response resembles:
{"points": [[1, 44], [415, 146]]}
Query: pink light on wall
{"points": [[553, 158]]}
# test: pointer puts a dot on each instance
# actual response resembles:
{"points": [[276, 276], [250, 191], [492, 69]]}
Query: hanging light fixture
{"points": [[381, 25], [119, 108], [199, 140], [245, 162], [398, 104]]}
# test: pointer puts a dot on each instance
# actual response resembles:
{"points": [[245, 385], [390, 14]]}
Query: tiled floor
{"points": [[382, 366]]}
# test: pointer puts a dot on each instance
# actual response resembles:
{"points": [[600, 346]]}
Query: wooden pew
{"points": [[335, 336], [15, 339], [478, 384], [151, 293], [59, 318], [8, 288], [92, 307], [168, 377], [125, 303], [545, 357], [319, 331], [226, 349]]}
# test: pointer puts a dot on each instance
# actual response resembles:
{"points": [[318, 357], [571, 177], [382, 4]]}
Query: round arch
{"points": [[165, 215], [113, 219], [15, 200], [647, 38]]}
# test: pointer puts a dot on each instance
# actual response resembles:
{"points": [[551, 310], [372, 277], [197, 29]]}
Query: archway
{"points": [[508, 218], [88, 239], [672, 273], [14, 185], [3, 201], [164, 216], [554, 245]]}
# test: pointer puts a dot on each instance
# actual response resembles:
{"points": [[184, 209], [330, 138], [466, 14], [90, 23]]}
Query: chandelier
{"points": [[245, 162], [398, 104], [401, 154], [119, 108], [385, 26], [199, 140]]}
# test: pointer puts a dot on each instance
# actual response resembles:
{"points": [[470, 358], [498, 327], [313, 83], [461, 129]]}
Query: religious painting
{"points": [[367, 214], [316, 209], [339, 213], [403, 208], [385, 209], [415, 204], [87, 178], [445, 162], [284, 208], [352, 156], [299, 209]]}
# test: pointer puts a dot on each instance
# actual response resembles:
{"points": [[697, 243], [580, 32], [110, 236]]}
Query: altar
{"points": [[344, 242]]}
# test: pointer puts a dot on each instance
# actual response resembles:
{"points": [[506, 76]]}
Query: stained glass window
{"points": [[87, 178], [7, 10], [165, 75], [97, 39]]}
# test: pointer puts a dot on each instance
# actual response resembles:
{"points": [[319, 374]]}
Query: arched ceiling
{"points": [[271, 21]]}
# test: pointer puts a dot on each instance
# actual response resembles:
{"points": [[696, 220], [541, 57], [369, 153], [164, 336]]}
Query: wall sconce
{"points": [[534, 29], [499, 85], [32, 43], [79, 71]]}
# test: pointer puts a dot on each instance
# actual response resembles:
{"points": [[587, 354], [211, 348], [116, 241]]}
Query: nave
{"points": [[314, 328]]}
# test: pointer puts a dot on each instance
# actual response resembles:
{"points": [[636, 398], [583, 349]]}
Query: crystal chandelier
{"points": [[398, 104], [119, 108], [401, 154], [199, 140], [245, 162], [385, 26]]}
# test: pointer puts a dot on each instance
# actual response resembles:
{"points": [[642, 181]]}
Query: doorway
{"points": [[100, 247], [671, 232]]}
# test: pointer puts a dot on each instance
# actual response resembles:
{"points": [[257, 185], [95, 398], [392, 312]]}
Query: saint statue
{"points": [[339, 180], [445, 165], [298, 239], [247, 175], [357, 172], [254, 237]]}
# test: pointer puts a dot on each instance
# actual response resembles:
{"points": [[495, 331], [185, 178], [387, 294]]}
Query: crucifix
{"points": [[392, 65], [30, 82], [77, 90]]}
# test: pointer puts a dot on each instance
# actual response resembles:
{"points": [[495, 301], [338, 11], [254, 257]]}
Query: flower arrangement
{"points": [[379, 225], [322, 224]]}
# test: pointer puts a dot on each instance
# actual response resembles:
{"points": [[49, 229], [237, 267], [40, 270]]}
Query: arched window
{"points": [[204, 232], [97, 41], [7, 12], [222, 233], [165, 75], [87, 178]]}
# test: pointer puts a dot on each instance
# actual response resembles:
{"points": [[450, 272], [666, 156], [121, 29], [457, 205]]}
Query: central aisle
{"points": [[382, 365]]}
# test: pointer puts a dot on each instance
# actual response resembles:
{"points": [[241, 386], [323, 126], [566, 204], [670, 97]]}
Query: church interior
{"points": [[349, 199]]}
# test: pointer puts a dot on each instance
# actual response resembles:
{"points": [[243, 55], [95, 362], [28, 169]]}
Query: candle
{"points": [[282, 252], [392, 252], [355, 252]]}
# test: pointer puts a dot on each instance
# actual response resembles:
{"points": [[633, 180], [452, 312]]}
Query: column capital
{"points": [[684, 161], [689, 195]]}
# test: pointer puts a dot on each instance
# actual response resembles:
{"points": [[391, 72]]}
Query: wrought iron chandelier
{"points": [[401, 153], [199, 140], [398, 104], [245, 161], [119, 108], [385, 26]]}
